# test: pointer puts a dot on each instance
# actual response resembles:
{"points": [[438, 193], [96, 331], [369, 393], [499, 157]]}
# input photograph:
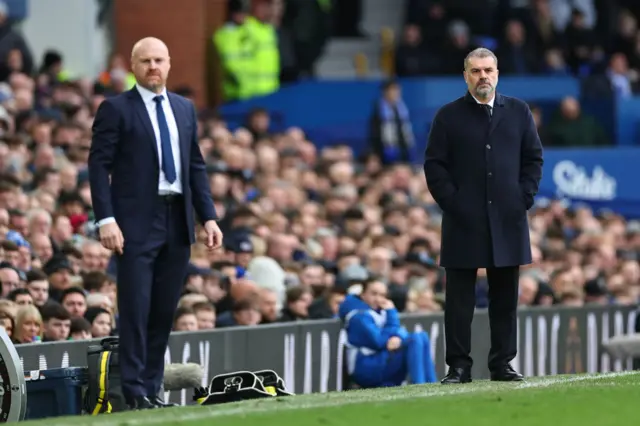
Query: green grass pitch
{"points": [[579, 400]]}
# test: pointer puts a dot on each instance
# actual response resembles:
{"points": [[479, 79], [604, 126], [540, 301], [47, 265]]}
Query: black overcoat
{"points": [[484, 174]]}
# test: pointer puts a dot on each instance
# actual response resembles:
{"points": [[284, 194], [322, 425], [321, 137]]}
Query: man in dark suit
{"points": [[147, 176], [483, 165]]}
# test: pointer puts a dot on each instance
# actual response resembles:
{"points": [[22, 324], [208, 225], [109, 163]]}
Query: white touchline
{"points": [[550, 381], [154, 417]]}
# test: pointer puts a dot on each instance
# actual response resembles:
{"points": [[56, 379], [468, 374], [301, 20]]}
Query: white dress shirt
{"points": [[164, 187], [490, 103]]}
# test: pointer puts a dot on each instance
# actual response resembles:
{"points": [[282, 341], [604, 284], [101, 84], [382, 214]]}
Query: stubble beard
{"points": [[155, 87], [484, 92]]}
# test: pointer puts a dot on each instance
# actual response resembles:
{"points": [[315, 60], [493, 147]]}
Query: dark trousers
{"points": [[150, 279], [460, 304]]}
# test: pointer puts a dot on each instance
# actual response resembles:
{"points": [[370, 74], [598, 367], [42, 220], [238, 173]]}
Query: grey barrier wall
{"points": [[309, 354]]}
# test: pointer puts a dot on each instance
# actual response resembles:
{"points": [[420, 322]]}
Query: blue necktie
{"points": [[168, 166]]}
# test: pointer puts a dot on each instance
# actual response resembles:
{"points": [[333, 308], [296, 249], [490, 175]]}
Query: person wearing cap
{"points": [[484, 195], [241, 247], [59, 271]]}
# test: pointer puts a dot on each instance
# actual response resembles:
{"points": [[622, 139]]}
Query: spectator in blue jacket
{"points": [[380, 351]]}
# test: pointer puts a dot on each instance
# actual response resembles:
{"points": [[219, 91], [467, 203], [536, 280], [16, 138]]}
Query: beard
{"points": [[484, 90], [153, 84]]}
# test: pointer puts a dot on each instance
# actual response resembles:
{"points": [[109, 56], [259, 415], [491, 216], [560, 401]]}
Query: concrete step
{"points": [[338, 59], [341, 66], [345, 46], [332, 66], [350, 75]]}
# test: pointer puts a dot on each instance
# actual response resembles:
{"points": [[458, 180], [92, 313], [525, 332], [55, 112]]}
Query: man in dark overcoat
{"points": [[483, 165]]}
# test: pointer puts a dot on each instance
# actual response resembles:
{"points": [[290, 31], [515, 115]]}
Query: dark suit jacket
{"points": [[484, 177], [124, 147]]}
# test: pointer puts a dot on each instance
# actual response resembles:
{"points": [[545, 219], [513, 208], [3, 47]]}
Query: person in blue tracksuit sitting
{"points": [[380, 351]]}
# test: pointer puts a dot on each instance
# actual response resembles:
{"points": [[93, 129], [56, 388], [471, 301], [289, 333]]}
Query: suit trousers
{"points": [[460, 304], [151, 275]]}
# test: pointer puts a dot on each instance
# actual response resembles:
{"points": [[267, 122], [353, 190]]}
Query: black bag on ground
{"points": [[104, 392], [240, 386], [272, 383]]}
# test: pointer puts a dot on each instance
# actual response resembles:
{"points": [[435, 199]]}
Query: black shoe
{"points": [[141, 403], [457, 376], [159, 402], [506, 374]]}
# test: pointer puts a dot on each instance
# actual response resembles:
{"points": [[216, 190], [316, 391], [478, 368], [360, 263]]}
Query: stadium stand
{"points": [[305, 219]]}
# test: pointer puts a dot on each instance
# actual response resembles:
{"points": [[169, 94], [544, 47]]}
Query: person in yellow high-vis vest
{"points": [[129, 81], [234, 45], [265, 66]]}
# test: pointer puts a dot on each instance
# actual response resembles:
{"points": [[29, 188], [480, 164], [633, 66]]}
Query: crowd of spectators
{"points": [[303, 227], [598, 40]]}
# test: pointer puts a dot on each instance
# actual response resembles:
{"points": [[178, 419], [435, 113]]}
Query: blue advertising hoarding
{"points": [[601, 178], [627, 117]]}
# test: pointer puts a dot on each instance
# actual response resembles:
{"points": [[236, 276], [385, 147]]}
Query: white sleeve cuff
{"points": [[105, 221]]}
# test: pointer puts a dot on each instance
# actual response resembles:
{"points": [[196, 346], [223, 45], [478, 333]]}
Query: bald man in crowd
{"points": [[147, 177]]}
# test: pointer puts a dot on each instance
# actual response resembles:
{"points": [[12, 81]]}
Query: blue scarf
{"points": [[389, 131], [387, 113]]}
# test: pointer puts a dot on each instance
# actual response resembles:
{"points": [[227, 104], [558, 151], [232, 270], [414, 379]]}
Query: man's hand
{"points": [[111, 237], [387, 304], [214, 235], [394, 343]]}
